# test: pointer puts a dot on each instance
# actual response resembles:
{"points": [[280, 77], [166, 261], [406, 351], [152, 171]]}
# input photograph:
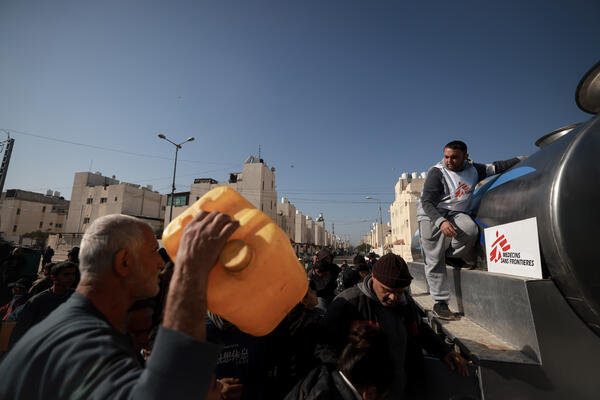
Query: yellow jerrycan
{"points": [[258, 279]]}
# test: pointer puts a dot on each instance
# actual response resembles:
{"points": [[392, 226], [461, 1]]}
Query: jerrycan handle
{"points": [[236, 255]]}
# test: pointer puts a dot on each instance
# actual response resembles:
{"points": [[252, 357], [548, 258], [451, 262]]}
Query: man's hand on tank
{"points": [[204, 238], [456, 362], [448, 229]]}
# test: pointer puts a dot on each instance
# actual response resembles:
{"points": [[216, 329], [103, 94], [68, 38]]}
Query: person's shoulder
{"points": [[434, 173], [350, 295], [40, 297]]}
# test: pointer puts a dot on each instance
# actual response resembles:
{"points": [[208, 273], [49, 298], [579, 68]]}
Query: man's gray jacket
{"points": [[75, 353]]}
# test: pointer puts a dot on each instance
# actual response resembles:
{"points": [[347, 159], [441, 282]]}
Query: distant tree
{"points": [[363, 248], [39, 238]]}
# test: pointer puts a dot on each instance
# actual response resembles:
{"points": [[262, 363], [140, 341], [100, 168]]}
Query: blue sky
{"points": [[351, 93]]}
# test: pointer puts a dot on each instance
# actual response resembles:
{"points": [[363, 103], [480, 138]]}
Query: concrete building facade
{"points": [[24, 212], [319, 228], [94, 196], [286, 217], [256, 183], [403, 213], [300, 235], [310, 230]]}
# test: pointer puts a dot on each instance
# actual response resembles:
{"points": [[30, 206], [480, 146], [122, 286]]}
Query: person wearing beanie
{"points": [[383, 299]]}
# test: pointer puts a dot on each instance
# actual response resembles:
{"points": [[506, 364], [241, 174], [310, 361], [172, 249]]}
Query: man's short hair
{"points": [[457, 145], [59, 267], [105, 237]]}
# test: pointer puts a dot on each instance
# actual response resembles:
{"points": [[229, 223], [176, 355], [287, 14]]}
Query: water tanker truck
{"points": [[534, 336]]}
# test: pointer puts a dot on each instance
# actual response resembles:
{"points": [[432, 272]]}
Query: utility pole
{"points": [[5, 159]]}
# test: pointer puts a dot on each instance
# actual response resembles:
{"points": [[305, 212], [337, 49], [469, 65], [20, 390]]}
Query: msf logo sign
{"points": [[461, 189], [500, 245]]}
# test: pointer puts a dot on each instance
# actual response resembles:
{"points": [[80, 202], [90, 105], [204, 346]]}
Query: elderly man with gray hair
{"points": [[81, 351]]}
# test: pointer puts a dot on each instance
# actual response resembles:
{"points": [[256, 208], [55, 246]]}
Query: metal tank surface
{"points": [[557, 185], [551, 325]]}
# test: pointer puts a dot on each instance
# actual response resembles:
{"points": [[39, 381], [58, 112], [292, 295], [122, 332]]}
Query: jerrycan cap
{"points": [[236, 255]]}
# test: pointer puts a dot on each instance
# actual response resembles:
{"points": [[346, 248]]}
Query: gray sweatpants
{"points": [[435, 244]]}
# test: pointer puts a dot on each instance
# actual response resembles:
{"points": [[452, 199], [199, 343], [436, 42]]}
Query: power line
{"points": [[92, 146]]}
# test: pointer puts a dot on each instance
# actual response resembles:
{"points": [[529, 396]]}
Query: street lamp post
{"points": [[177, 147], [379, 203], [380, 236]]}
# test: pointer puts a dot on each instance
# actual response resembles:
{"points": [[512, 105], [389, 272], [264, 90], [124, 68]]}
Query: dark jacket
{"points": [[407, 334], [76, 353], [295, 342], [322, 383], [40, 285], [325, 286], [36, 309], [243, 356]]}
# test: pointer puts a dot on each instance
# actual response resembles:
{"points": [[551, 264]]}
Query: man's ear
{"points": [[123, 262]]}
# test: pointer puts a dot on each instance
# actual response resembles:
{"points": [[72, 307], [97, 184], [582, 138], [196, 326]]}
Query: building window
{"points": [[163, 208], [14, 228], [50, 224], [44, 209], [86, 220], [89, 200], [18, 212], [41, 224], [103, 200], [58, 226], [197, 198], [115, 198], [179, 200]]}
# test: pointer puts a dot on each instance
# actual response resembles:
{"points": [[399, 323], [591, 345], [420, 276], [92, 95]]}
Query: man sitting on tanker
{"points": [[445, 227]]}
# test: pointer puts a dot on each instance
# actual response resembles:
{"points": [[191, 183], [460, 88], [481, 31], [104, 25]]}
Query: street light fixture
{"points": [[381, 236], [379, 203], [177, 147]]}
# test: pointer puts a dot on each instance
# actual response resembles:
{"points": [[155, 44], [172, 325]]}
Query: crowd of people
{"points": [[122, 320]]}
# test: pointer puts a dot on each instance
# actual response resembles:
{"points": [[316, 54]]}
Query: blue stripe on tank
{"points": [[510, 175]]}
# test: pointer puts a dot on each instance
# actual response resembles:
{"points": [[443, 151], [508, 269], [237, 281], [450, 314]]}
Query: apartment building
{"points": [[300, 235], [403, 212], [94, 196], [286, 217], [24, 212], [256, 183]]}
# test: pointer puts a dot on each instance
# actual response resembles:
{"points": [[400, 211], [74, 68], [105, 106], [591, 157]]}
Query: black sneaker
{"points": [[441, 311]]}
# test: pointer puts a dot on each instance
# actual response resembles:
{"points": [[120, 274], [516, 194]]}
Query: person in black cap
{"points": [[382, 299], [324, 275], [20, 296]]}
